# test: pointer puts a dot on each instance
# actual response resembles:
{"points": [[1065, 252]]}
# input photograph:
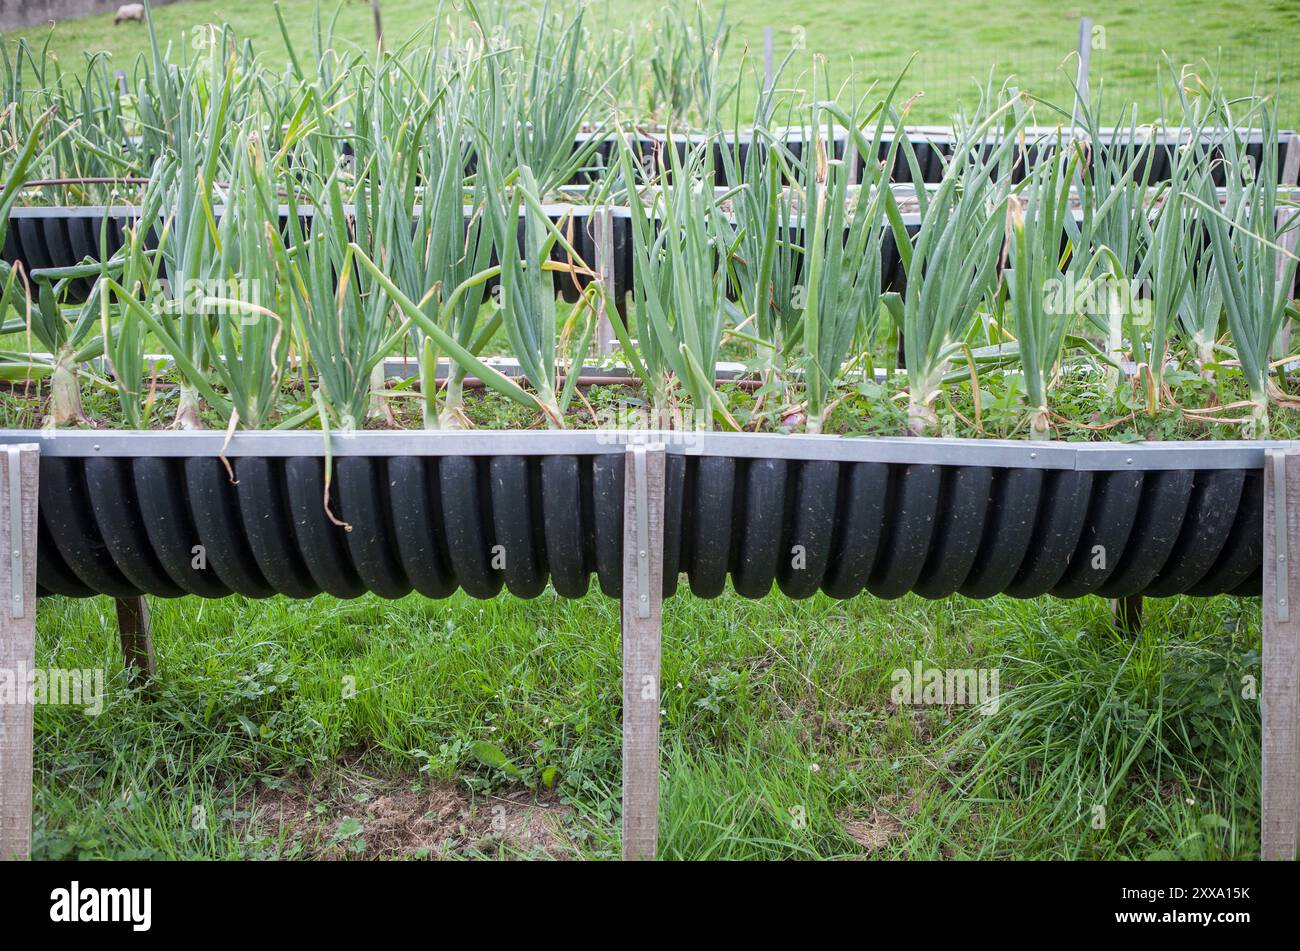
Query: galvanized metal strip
{"points": [[642, 502], [1278, 458], [904, 450], [17, 607]]}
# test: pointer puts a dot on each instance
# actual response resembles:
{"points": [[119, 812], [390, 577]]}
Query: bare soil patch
{"points": [[349, 815]]}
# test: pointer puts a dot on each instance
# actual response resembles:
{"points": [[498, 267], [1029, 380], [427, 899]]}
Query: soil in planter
{"points": [[1085, 409]]}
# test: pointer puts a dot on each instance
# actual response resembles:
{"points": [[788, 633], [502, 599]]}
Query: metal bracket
{"points": [[642, 533], [17, 606], [1277, 459]]}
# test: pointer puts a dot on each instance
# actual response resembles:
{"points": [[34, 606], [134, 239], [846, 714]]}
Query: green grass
{"points": [[780, 736], [958, 41]]}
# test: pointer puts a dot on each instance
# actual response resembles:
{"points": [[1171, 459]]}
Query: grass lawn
{"points": [[461, 728], [958, 41]]}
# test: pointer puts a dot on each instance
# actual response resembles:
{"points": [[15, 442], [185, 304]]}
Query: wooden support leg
{"points": [[1280, 711], [18, 497], [643, 570], [137, 646], [1127, 613]]}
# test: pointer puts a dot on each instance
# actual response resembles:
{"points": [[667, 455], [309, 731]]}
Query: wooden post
{"points": [[1127, 613], [137, 645], [1280, 820], [643, 570], [602, 221], [18, 499]]}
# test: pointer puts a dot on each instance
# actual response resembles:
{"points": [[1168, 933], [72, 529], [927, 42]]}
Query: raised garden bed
{"points": [[120, 513]]}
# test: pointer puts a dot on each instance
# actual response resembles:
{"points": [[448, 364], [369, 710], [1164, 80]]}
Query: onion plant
{"points": [[680, 255], [765, 259], [1037, 253], [445, 264], [27, 151], [252, 298], [534, 98], [842, 247], [1113, 184], [1200, 311], [133, 287], [207, 105], [683, 78], [342, 312], [1253, 269], [69, 343], [952, 263], [527, 293]]}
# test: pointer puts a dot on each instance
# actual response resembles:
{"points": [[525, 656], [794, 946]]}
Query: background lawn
{"points": [[463, 728], [958, 41]]}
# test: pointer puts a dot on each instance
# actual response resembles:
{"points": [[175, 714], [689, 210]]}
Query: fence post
{"points": [[1085, 62], [1280, 713], [379, 24], [1288, 179], [18, 500], [643, 570], [768, 62], [602, 222]]}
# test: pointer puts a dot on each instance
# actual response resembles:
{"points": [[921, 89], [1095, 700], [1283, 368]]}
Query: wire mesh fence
{"points": [[1129, 70]]}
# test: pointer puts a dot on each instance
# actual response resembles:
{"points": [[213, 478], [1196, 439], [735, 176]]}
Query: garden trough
{"points": [[48, 237], [122, 512]]}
